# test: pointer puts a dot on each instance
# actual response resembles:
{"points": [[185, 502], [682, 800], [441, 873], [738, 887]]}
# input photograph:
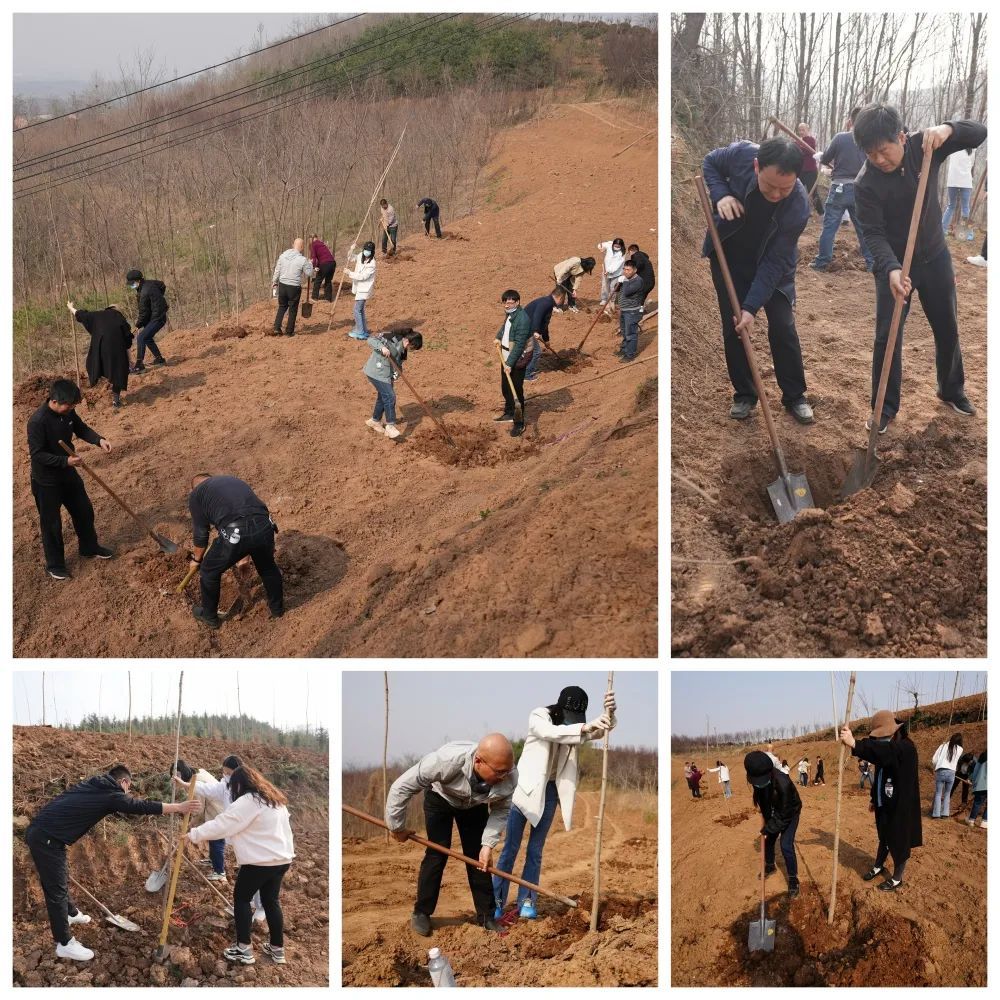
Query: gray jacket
{"points": [[377, 366], [631, 297], [290, 267], [449, 771]]}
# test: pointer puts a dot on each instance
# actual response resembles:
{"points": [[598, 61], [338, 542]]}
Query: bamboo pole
{"points": [[175, 871], [840, 785], [595, 908], [385, 748], [833, 696], [954, 690]]}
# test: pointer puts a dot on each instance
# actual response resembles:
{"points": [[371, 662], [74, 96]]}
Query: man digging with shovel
{"points": [[63, 821], [513, 338], [779, 803]]}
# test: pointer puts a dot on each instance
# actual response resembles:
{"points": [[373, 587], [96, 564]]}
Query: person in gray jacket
{"points": [[468, 784], [286, 283], [630, 310], [388, 349]]}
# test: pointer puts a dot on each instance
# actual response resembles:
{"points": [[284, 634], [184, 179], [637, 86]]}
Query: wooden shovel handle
{"points": [[440, 426], [175, 870]]}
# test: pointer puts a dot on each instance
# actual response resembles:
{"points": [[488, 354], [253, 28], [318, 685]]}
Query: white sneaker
{"points": [[216, 876], [982, 825], [74, 950], [392, 431], [80, 918], [978, 260], [375, 425]]}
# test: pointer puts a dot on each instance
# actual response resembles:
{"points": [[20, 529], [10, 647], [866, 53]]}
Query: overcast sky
{"points": [[264, 694], [427, 709], [735, 701]]}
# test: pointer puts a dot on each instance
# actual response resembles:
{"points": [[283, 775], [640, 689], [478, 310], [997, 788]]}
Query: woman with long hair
{"points": [[257, 827], [945, 761]]}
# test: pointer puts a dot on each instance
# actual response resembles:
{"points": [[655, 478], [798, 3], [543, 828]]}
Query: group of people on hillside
{"points": [[955, 767], [762, 208], [242, 808], [477, 788]]}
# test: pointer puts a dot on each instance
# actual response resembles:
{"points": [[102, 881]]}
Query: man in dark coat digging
{"points": [[778, 800], [151, 318], [895, 794], [110, 340]]}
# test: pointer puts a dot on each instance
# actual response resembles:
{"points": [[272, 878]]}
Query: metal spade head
{"points": [[862, 474], [789, 496], [156, 881], [762, 935], [166, 544], [124, 923]]}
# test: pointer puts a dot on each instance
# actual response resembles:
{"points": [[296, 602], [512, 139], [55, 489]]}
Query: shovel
{"points": [[866, 462], [762, 931], [789, 493], [307, 306], [518, 410], [165, 544], [112, 918]]}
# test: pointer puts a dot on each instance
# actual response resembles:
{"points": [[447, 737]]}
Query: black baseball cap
{"points": [[758, 767], [573, 701]]}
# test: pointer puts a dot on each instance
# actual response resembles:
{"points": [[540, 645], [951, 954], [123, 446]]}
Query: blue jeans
{"points": [[787, 848], [726, 790], [516, 823], [385, 401], [954, 195], [536, 356], [360, 322], [838, 202], [944, 778], [628, 323], [217, 852], [145, 339], [978, 799]]}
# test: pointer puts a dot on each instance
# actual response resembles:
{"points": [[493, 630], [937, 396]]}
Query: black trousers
{"points": [[934, 282], [517, 377], [265, 879], [781, 335], [883, 851], [50, 862], [50, 500], [808, 180], [288, 299], [434, 217], [438, 818], [323, 277], [256, 539]]}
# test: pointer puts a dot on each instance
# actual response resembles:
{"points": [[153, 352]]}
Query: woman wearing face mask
{"points": [[547, 774], [895, 794], [362, 282], [614, 261], [388, 354]]}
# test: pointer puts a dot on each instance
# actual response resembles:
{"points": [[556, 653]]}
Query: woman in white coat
{"points": [[547, 775]]}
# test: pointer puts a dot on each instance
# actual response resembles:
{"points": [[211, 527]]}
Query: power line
{"points": [[186, 76], [323, 89], [207, 103]]}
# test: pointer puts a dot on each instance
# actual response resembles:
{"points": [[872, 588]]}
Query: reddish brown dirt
{"points": [[115, 858], [564, 563], [897, 570], [557, 949], [930, 933]]}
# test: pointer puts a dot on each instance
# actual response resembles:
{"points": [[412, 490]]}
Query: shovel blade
{"points": [[123, 922], [862, 474], [168, 546], [156, 881], [762, 935], [790, 497]]}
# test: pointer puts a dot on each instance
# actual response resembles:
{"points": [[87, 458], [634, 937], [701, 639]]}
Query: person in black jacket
{"points": [[432, 213], [884, 192], [55, 483], [110, 340], [63, 821], [644, 268], [151, 319], [540, 313], [895, 794], [779, 803], [244, 527]]}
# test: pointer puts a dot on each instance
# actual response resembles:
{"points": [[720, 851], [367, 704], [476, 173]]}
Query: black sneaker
{"points": [[504, 418], [277, 614], [960, 405], [116, 403], [291, 333], [212, 621], [802, 411], [517, 430], [625, 359], [158, 363], [138, 370], [486, 921], [871, 875], [421, 924], [883, 424], [742, 408], [58, 572], [793, 888], [101, 552], [889, 885]]}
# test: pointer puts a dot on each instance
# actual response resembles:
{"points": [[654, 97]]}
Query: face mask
{"points": [[509, 310], [134, 286]]}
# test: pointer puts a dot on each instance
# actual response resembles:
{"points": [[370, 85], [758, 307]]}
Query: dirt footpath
{"points": [[541, 545], [557, 949], [897, 570], [932, 932]]}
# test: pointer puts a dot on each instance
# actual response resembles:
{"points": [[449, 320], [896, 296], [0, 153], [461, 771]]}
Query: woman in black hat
{"points": [[775, 795], [895, 794], [547, 774]]}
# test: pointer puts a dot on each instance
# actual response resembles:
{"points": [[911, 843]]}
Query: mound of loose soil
{"points": [[570, 533], [115, 858], [896, 570]]}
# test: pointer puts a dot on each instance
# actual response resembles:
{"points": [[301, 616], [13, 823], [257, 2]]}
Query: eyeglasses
{"points": [[497, 771]]}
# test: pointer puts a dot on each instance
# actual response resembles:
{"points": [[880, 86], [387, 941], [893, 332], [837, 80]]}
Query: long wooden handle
{"points": [[977, 193], [187, 579], [597, 319], [794, 135], [600, 821], [510, 382], [461, 857], [440, 426], [175, 870], [840, 782], [163, 837], [89, 894], [734, 300]]}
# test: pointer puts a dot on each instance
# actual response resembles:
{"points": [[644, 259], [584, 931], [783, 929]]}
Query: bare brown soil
{"points": [[542, 545], [557, 949], [896, 570], [932, 932], [115, 858]]}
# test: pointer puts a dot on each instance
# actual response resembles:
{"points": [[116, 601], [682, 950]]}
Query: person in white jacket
{"points": [[944, 761], [614, 262], [547, 774], [362, 282], [959, 190], [723, 772]]}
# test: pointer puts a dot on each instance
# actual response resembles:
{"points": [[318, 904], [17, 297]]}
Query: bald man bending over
{"points": [[286, 284], [472, 786]]}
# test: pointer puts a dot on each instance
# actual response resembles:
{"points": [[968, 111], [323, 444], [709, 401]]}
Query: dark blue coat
{"points": [[729, 171], [540, 312]]}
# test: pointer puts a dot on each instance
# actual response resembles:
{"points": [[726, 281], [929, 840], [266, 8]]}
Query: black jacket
{"points": [[430, 207], [779, 803], [219, 501], [110, 339], [895, 761], [152, 304], [70, 815], [644, 268], [540, 312], [885, 201], [46, 428]]}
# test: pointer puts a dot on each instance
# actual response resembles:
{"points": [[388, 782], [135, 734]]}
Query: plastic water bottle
{"points": [[440, 969]]}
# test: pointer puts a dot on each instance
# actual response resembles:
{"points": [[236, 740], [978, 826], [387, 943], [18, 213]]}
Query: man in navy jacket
{"points": [[761, 210]]}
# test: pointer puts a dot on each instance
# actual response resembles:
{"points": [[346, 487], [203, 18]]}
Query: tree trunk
{"points": [[834, 110]]}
